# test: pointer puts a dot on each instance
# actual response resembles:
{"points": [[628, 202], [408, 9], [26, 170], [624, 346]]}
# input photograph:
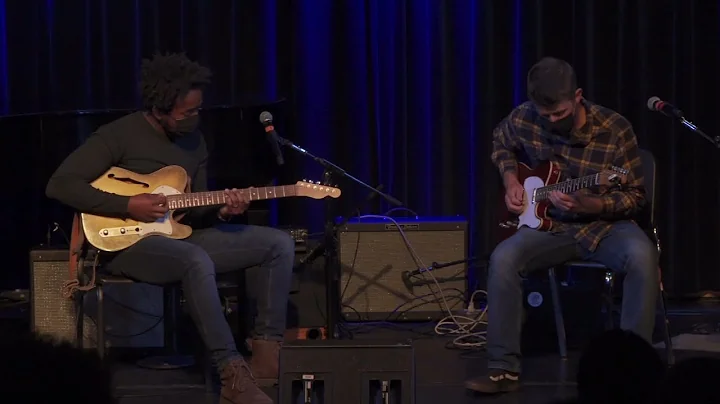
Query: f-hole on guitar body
{"points": [[115, 234], [538, 184]]}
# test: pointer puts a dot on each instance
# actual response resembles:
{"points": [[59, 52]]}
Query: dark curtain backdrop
{"points": [[400, 93]]}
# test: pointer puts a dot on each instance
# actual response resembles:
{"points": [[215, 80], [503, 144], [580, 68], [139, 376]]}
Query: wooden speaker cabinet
{"points": [[347, 372], [373, 256]]}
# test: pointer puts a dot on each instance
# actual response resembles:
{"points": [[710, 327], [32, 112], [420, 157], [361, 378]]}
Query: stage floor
{"points": [[440, 372], [439, 378]]}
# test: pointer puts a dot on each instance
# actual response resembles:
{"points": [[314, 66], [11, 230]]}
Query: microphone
{"points": [[266, 119], [665, 108], [405, 276]]}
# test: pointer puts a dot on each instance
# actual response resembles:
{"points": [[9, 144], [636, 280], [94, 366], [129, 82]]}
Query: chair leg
{"points": [[559, 321], [666, 328], [610, 282], [171, 359], [170, 303], [80, 323], [100, 321], [209, 385]]}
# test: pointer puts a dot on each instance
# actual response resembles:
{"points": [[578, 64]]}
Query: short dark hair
{"points": [[551, 81], [165, 78]]}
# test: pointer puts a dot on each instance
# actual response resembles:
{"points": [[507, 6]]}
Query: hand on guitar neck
{"points": [[237, 203]]}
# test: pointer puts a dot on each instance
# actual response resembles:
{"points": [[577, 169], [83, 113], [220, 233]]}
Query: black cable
{"points": [[62, 232], [152, 327], [397, 312], [352, 266], [400, 208], [130, 308], [145, 331]]}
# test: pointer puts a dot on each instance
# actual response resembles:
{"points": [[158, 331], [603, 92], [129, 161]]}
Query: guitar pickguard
{"points": [[160, 226], [529, 216]]}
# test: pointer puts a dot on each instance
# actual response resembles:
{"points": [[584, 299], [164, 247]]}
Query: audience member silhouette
{"points": [[693, 380], [36, 369], [619, 367]]}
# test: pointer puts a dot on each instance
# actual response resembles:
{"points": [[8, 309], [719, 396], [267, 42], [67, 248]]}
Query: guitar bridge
{"points": [[120, 231], [509, 224]]}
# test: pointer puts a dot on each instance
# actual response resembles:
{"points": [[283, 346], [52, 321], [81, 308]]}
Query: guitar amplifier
{"points": [[132, 311], [373, 255], [347, 372], [50, 312]]}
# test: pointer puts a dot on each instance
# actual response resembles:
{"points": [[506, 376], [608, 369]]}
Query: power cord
{"points": [[464, 327], [400, 208]]}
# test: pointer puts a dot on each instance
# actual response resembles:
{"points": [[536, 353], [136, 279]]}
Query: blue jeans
{"points": [[194, 262], [626, 249]]}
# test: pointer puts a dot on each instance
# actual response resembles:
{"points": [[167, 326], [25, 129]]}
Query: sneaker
{"points": [[239, 386], [496, 381]]}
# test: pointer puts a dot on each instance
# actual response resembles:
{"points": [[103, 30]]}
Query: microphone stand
{"points": [[407, 276], [329, 245], [715, 141]]}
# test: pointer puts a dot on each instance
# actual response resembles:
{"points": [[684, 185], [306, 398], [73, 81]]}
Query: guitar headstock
{"points": [[316, 190], [613, 176]]}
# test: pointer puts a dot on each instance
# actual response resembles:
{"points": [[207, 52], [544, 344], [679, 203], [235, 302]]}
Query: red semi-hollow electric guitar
{"points": [[538, 184]]}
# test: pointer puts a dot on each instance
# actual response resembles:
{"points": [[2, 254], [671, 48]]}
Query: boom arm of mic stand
{"points": [[329, 166], [715, 141]]}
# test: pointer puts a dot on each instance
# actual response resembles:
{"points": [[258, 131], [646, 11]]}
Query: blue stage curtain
{"points": [[403, 93]]}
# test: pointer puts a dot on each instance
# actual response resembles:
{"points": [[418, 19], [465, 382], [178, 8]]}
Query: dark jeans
{"points": [[195, 261], [625, 249]]}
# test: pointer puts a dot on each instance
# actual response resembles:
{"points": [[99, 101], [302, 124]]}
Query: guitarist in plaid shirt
{"points": [[559, 125]]}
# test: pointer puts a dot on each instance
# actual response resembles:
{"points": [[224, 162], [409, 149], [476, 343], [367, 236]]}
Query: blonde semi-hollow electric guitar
{"points": [[114, 234]]}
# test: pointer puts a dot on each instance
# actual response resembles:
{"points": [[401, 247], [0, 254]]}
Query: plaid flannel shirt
{"points": [[607, 139]]}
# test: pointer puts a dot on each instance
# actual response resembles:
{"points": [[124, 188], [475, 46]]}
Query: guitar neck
{"points": [[568, 187], [212, 198]]}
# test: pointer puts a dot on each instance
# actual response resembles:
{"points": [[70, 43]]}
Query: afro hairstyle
{"points": [[167, 77]]}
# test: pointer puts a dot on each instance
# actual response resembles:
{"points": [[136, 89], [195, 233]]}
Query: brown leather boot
{"points": [[239, 386], [265, 362]]}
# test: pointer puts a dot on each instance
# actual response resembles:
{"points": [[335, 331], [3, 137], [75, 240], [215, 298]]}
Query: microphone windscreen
{"points": [[652, 101], [265, 117]]}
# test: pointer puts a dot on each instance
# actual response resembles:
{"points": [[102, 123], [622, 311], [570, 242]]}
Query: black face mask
{"points": [[563, 126], [187, 125], [182, 126]]}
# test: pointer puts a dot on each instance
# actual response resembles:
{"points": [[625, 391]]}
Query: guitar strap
{"points": [[77, 253]]}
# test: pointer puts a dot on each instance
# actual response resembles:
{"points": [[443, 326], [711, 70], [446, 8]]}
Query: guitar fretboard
{"points": [[210, 198], [568, 187]]}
